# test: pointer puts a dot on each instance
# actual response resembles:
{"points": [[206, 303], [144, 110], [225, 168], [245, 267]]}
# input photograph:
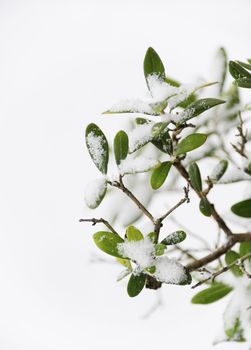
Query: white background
{"points": [[61, 64]]}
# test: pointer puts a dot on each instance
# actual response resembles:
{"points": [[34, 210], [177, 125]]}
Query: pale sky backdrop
{"points": [[63, 62]]}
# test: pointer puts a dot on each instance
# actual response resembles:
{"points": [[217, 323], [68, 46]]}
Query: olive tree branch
{"points": [[120, 185], [224, 269], [221, 223], [97, 221], [231, 241], [183, 200], [240, 147]]}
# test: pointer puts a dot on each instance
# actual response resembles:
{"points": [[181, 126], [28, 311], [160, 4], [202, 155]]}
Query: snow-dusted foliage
{"points": [[179, 142]]}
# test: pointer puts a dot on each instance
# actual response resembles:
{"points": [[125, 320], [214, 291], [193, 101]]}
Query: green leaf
{"points": [[244, 64], [188, 278], [190, 143], [133, 234], [174, 238], [230, 257], [163, 142], [152, 236], [136, 284], [242, 208], [142, 121], [195, 177], [161, 138], [223, 65], [93, 201], [199, 107], [159, 174], [97, 146], [108, 242], [160, 249], [172, 82], [219, 170], [125, 262], [245, 248], [237, 71], [188, 101], [211, 294], [247, 169], [205, 207], [121, 147], [151, 269], [153, 65], [236, 332], [244, 82]]}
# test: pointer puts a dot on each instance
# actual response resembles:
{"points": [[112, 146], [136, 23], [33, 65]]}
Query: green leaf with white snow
{"points": [[199, 107], [174, 238], [97, 146], [108, 242]]}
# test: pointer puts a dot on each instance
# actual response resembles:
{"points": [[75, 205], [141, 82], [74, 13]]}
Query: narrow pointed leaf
{"points": [[242, 208], [211, 294], [244, 82], [236, 332], [195, 177], [136, 284], [108, 242], [125, 262], [222, 56], [159, 174], [199, 107], [97, 146], [244, 64], [205, 207], [219, 170], [153, 65], [133, 234], [121, 146], [95, 192], [230, 257], [190, 143], [174, 238], [237, 71]]}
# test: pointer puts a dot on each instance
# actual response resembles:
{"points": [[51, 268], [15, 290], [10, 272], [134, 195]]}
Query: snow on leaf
{"points": [[95, 192], [133, 165], [170, 271], [139, 136], [141, 252]]}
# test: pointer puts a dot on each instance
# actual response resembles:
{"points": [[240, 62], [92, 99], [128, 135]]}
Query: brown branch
{"points": [[97, 221], [221, 223], [120, 185], [240, 147], [232, 240], [183, 200], [224, 269]]}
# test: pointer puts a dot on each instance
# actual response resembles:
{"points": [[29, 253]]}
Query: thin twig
{"points": [[120, 185], [183, 200], [240, 147], [221, 223], [97, 221], [232, 240], [224, 269]]}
